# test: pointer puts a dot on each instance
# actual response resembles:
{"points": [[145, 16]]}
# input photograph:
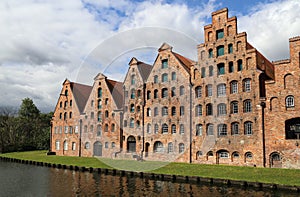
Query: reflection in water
{"points": [[28, 180]]}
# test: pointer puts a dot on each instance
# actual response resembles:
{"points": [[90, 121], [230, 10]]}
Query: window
{"points": [[131, 108], [173, 128], [106, 128], [173, 92], [113, 145], [211, 71], [181, 148], [156, 128], [65, 145], [233, 87], [66, 92], [221, 90], [198, 110], [234, 128], [138, 109], [91, 128], [138, 95], [209, 109], [173, 76], [210, 53], [170, 147], [248, 156], [247, 106], [155, 79], [220, 34], [289, 101], [230, 67], [99, 104], [73, 146], [131, 123], [99, 92], [132, 79], [199, 129], [164, 111], [173, 111], [181, 129], [199, 154], [99, 117], [181, 90], [148, 128], [158, 147], [99, 130], [240, 65], [234, 107], [164, 93], [87, 145], [230, 48], [223, 154], [202, 72], [235, 155], [85, 128], [198, 91], [60, 104], [210, 129], [222, 109], [155, 94], [181, 110], [164, 77], [106, 145], [155, 111], [148, 111], [132, 95], [65, 116], [220, 50], [92, 103], [66, 129], [247, 85], [148, 95], [248, 128], [221, 69], [113, 128], [209, 90], [126, 94], [70, 115], [57, 145], [106, 114], [164, 128], [222, 129], [138, 124], [66, 103], [164, 63]]}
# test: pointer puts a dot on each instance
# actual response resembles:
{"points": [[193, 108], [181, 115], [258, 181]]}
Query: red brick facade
{"points": [[232, 106]]}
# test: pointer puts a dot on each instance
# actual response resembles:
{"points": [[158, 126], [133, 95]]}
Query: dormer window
{"points": [[220, 34]]}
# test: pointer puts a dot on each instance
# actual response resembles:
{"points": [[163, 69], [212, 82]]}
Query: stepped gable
{"points": [[116, 90], [81, 94]]}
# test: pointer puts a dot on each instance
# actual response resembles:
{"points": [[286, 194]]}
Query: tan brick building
{"points": [[231, 106]]}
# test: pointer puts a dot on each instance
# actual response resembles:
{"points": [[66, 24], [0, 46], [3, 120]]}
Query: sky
{"points": [[43, 42]]}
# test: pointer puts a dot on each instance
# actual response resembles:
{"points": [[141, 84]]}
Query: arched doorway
{"points": [[147, 149], [97, 148], [131, 144], [275, 160]]}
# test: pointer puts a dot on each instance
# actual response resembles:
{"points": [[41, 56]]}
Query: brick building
{"points": [[231, 106]]}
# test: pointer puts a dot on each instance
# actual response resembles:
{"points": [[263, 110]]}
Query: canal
{"points": [[28, 180]]}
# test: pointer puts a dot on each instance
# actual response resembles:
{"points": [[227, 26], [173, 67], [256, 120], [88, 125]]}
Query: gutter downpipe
{"points": [[263, 106], [191, 130], [143, 121], [80, 132]]}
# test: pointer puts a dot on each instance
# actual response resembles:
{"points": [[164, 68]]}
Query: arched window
{"points": [[164, 128], [148, 94], [164, 63], [181, 147], [164, 111], [289, 101], [235, 128], [132, 95], [288, 81], [220, 50], [181, 90], [155, 93], [173, 111], [91, 128], [170, 147], [87, 145], [70, 115], [248, 156], [164, 77], [221, 69], [173, 76], [210, 129], [222, 129], [240, 65], [233, 87], [230, 48], [221, 90], [156, 128], [99, 104], [181, 129], [99, 130], [220, 34], [113, 127], [173, 92], [210, 53], [202, 55], [99, 116], [234, 107], [210, 71], [209, 90], [155, 111], [248, 128], [164, 93], [274, 104], [148, 128], [155, 79], [239, 46], [199, 129], [222, 109], [223, 154], [173, 127], [158, 147], [209, 109], [247, 106], [131, 124], [138, 124], [210, 36], [106, 114], [73, 145], [106, 128], [66, 92], [132, 79], [247, 85], [65, 145], [230, 67], [199, 154], [57, 145], [198, 91], [99, 92], [198, 110]]}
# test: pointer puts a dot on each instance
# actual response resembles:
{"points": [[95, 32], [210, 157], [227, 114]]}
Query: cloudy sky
{"points": [[43, 42]]}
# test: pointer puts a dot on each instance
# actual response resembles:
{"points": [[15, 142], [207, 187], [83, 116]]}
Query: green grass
{"points": [[250, 174]]}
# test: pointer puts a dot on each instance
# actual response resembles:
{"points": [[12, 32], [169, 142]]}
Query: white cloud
{"points": [[269, 26]]}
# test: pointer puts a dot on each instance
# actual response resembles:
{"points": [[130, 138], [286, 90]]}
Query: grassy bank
{"points": [[251, 174]]}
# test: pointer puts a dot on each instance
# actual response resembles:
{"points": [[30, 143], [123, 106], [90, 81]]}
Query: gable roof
{"points": [[188, 63], [144, 69], [81, 94], [116, 90]]}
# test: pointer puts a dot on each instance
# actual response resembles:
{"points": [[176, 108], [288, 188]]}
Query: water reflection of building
{"points": [[231, 106]]}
